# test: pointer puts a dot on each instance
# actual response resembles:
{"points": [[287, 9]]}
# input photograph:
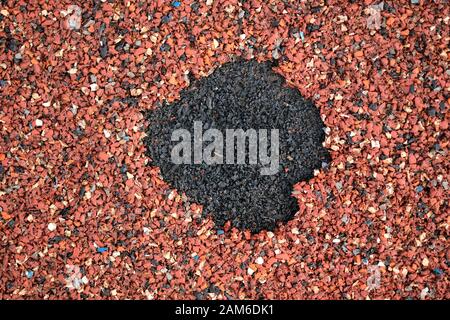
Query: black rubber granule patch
{"points": [[240, 95]]}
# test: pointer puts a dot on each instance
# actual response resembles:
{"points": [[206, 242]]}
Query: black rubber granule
{"points": [[241, 95]]}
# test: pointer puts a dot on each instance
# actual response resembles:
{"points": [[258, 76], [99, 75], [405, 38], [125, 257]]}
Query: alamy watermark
{"points": [[191, 149], [374, 19], [374, 279]]}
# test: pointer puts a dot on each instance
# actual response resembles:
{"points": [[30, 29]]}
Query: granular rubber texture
{"points": [[241, 95]]}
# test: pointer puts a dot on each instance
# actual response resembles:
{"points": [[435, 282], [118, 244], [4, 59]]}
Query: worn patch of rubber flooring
{"points": [[243, 95]]}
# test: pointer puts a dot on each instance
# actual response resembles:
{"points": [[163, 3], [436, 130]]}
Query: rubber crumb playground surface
{"points": [[252, 193], [84, 215]]}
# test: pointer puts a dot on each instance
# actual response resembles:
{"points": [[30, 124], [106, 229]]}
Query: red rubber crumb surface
{"points": [[82, 215]]}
